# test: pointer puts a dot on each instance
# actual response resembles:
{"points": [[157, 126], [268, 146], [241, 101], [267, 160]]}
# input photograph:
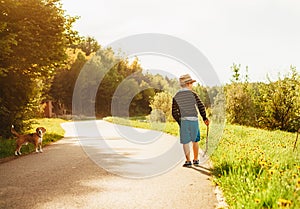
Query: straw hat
{"points": [[185, 79]]}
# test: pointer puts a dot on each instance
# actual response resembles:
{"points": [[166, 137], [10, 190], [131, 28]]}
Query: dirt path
{"points": [[64, 176]]}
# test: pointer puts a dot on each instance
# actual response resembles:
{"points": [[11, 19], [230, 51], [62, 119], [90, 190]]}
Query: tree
{"points": [[62, 85], [239, 103], [89, 45], [123, 97], [34, 35], [236, 76], [123, 89], [281, 102], [37, 33]]}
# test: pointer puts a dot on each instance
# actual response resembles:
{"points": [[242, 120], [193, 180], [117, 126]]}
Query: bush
{"points": [[157, 116], [273, 105], [281, 102], [161, 105]]}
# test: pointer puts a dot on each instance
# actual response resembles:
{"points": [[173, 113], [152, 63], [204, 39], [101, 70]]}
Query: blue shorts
{"points": [[198, 136], [189, 131]]}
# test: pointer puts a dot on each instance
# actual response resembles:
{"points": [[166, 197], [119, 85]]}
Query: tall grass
{"points": [[255, 168], [54, 132], [258, 168]]}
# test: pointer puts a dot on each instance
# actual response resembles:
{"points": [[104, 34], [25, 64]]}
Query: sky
{"points": [[261, 34]]}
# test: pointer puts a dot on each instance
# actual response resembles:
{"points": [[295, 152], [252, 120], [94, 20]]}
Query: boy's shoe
{"points": [[187, 164], [196, 162]]}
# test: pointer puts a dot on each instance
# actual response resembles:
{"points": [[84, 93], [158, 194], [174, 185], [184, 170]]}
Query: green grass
{"points": [[255, 168], [258, 168], [171, 128], [54, 132]]}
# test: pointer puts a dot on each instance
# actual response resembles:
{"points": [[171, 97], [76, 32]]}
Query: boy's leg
{"points": [[196, 146], [185, 139], [196, 150], [186, 149]]}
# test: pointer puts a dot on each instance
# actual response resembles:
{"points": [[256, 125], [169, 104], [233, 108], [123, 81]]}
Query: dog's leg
{"points": [[40, 143], [36, 147], [41, 150], [18, 150]]}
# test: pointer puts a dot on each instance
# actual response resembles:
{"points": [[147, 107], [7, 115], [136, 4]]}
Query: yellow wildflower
{"points": [[298, 183], [263, 163], [284, 202], [257, 200], [271, 171]]}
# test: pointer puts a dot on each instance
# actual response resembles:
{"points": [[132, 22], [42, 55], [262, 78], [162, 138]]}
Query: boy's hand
{"points": [[206, 122]]}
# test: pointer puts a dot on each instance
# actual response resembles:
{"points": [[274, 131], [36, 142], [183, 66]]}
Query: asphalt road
{"points": [[106, 170]]}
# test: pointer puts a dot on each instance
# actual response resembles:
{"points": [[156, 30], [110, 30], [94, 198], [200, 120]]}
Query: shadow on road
{"points": [[202, 170]]}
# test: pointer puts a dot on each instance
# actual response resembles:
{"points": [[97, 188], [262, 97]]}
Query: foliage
{"points": [[89, 45], [39, 32], [122, 89], [239, 105], [281, 102], [273, 105], [203, 94], [54, 132], [257, 168], [161, 106], [238, 100], [62, 85], [157, 115], [33, 37], [218, 111]]}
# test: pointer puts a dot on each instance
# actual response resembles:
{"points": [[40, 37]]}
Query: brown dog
{"points": [[34, 138]]}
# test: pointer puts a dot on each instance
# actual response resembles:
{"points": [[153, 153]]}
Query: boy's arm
{"points": [[175, 111], [201, 107]]}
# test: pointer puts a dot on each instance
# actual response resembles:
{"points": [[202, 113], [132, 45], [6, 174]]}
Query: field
{"points": [[54, 132], [255, 168]]}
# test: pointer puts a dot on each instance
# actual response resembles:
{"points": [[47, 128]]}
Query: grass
{"points": [[170, 128], [255, 168], [54, 132], [258, 168]]}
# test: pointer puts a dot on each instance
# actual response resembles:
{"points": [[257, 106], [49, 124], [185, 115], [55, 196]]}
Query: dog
{"points": [[35, 138]]}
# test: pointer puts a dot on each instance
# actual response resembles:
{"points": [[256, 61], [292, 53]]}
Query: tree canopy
{"points": [[34, 36]]}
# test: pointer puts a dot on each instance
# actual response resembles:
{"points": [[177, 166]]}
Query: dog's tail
{"points": [[13, 131]]}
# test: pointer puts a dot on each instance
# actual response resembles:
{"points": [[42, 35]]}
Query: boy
{"points": [[184, 110]]}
